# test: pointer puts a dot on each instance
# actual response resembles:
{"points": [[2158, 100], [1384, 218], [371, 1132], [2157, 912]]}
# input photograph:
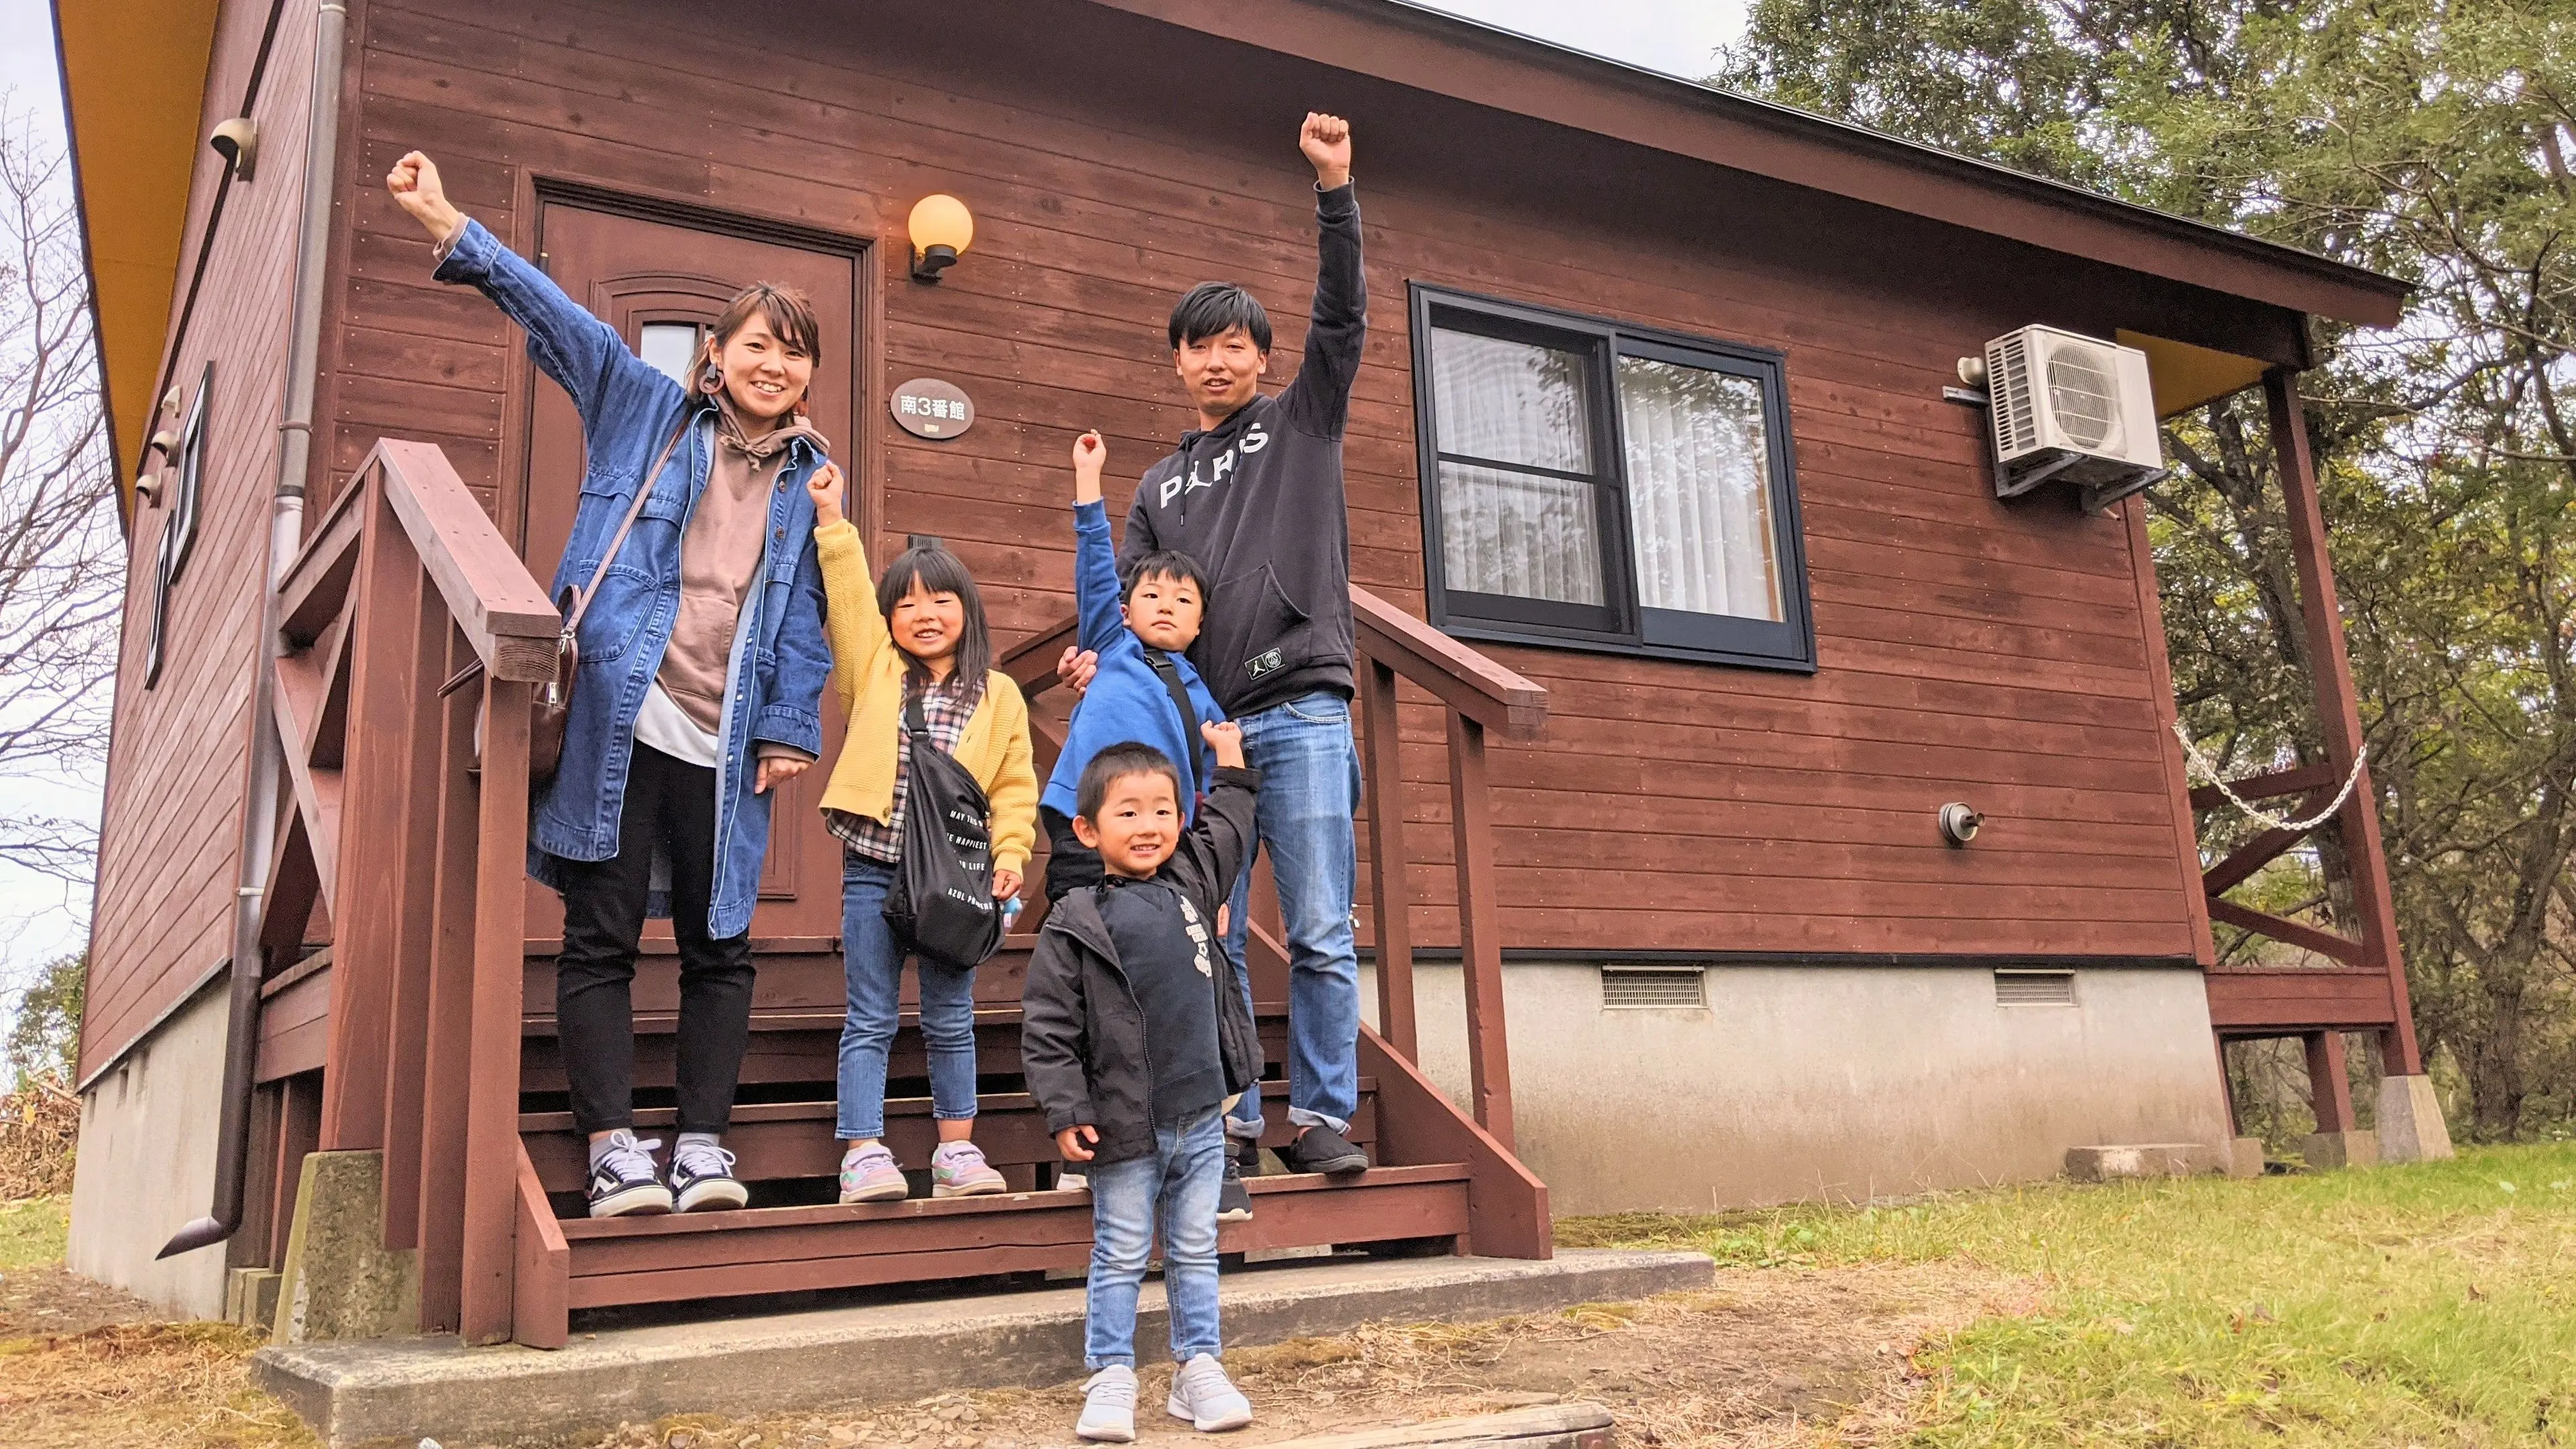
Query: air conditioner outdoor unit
{"points": [[2071, 409]]}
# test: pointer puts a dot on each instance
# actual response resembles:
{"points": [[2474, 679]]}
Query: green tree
{"points": [[44, 1030], [2428, 140]]}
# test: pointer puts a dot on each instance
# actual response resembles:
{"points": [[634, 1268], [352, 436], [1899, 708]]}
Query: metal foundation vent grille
{"points": [[2034, 988], [1666, 988]]}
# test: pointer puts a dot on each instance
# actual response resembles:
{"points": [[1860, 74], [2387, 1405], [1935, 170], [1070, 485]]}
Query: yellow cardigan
{"points": [[868, 670]]}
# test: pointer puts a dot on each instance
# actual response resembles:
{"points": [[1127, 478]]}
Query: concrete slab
{"points": [[2245, 1157], [2150, 1159], [2410, 1125], [435, 1387], [2340, 1149]]}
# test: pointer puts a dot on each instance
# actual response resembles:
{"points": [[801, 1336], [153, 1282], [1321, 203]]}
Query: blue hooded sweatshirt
{"points": [[1127, 700]]}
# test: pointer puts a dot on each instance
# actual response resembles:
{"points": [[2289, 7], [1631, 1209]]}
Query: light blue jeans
{"points": [[873, 964], [1176, 1188], [1310, 792]]}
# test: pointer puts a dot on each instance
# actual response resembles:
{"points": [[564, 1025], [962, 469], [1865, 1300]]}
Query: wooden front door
{"points": [[662, 286]]}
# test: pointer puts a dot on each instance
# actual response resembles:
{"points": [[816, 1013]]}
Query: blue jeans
{"points": [[1177, 1186], [1310, 790], [874, 966]]}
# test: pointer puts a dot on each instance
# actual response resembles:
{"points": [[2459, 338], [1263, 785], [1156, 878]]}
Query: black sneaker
{"points": [[623, 1183], [1233, 1203], [702, 1179], [1321, 1149]]}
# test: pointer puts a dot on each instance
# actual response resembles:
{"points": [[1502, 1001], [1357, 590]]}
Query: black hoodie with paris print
{"points": [[1257, 500]]}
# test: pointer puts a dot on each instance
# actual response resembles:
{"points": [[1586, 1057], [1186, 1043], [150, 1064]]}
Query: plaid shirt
{"points": [[945, 706]]}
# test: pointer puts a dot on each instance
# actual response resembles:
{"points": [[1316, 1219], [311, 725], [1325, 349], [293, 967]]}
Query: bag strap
{"points": [[581, 601], [1170, 674]]}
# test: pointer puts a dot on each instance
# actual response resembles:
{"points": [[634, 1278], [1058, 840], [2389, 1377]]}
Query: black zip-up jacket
{"points": [[1258, 501], [1085, 1045]]}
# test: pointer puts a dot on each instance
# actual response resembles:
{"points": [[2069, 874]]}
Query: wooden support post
{"points": [[1390, 898], [2339, 711], [492, 1154], [1480, 935], [412, 832], [450, 1045], [366, 934], [2329, 1087]]}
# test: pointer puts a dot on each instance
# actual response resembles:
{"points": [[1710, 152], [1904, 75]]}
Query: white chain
{"points": [[2209, 771]]}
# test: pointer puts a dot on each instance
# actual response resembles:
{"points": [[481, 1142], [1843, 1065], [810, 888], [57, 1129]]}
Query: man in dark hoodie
{"points": [[1254, 494]]}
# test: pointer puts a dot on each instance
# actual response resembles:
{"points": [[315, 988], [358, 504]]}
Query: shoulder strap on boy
{"points": [[1181, 700]]}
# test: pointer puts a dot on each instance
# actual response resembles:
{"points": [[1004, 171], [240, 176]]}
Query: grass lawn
{"points": [[34, 1231], [2432, 1304]]}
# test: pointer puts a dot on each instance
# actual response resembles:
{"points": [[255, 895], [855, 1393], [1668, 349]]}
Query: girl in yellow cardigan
{"points": [[919, 634]]}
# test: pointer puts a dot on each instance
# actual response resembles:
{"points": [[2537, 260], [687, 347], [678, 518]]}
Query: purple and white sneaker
{"points": [[958, 1169], [868, 1174]]}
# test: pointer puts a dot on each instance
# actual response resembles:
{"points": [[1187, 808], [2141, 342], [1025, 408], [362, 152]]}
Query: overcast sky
{"points": [[39, 918]]}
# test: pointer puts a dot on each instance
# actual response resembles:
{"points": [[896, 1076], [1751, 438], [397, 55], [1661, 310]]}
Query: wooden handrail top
{"points": [[1465, 680], [491, 595]]}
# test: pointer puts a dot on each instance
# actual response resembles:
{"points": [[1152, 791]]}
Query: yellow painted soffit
{"points": [[134, 88], [2186, 376]]}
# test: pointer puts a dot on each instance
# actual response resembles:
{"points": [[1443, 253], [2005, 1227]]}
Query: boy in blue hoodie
{"points": [[1146, 691]]}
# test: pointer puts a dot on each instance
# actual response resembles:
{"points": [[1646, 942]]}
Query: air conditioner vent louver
{"points": [[2074, 409], [2083, 393], [2034, 988], [1666, 988], [2008, 374]]}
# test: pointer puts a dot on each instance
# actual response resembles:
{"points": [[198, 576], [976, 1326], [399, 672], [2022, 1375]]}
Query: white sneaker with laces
{"points": [[702, 1179], [624, 1181], [1202, 1394], [1109, 1406]]}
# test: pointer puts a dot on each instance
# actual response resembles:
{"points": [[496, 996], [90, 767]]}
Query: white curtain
{"points": [[1504, 531], [1699, 490]]}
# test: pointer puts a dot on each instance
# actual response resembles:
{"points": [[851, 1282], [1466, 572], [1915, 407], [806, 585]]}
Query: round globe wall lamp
{"points": [[941, 228]]}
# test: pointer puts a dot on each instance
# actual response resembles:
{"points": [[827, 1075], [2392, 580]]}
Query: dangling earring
{"points": [[711, 381]]}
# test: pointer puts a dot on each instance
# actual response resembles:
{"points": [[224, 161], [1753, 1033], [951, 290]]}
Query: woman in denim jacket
{"points": [[699, 687]]}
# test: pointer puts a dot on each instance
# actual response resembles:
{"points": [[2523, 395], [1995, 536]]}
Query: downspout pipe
{"points": [[285, 537]]}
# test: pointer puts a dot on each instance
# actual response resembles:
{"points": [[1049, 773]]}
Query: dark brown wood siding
{"points": [[170, 830], [1968, 650]]}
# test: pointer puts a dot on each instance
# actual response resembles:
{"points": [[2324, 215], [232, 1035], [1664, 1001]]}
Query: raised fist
{"points": [[1326, 140], [825, 487], [416, 189]]}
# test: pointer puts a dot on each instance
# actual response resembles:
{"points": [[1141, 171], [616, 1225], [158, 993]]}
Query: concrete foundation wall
{"points": [[147, 1162], [1839, 1083]]}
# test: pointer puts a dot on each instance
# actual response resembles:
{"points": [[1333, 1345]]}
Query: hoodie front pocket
{"points": [[1265, 628]]}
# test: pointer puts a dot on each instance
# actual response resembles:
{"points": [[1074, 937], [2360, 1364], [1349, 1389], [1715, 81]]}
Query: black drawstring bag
{"points": [[942, 907]]}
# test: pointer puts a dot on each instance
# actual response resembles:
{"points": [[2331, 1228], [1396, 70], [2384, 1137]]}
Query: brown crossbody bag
{"points": [[553, 703]]}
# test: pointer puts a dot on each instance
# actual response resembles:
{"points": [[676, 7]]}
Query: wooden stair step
{"points": [[790, 1048], [775, 1140], [777, 1250]]}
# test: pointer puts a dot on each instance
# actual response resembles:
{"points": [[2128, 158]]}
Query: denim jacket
{"points": [[780, 658]]}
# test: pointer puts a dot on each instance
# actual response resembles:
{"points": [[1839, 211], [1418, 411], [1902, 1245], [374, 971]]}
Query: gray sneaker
{"points": [[1109, 1406], [1202, 1394]]}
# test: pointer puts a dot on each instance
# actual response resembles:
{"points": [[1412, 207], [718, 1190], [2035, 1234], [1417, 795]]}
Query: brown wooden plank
{"points": [[2269, 785], [2324, 943], [1507, 1211], [492, 1093], [448, 1058], [1467, 681], [1389, 892], [317, 583], [2291, 1000], [541, 1278], [2339, 709], [1480, 937]]}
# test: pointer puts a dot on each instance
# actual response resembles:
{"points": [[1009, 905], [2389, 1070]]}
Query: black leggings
{"points": [[670, 806]]}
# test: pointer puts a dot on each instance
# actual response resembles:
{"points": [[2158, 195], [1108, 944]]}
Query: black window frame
{"points": [[185, 472], [1620, 625]]}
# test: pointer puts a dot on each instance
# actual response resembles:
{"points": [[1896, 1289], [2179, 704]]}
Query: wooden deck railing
{"points": [[1478, 697], [422, 860]]}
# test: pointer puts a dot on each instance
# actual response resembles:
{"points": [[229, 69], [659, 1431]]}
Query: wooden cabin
{"points": [[1656, 903]]}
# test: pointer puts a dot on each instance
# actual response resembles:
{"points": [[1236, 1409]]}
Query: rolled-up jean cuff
{"points": [[1300, 1117], [938, 1116], [1184, 1355], [1244, 1131], [1124, 1360]]}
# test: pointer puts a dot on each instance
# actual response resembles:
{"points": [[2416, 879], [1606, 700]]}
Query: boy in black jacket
{"points": [[1135, 1036]]}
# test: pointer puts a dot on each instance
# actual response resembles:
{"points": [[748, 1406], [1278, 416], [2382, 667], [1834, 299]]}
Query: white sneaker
{"points": [[1202, 1394], [1109, 1406]]}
